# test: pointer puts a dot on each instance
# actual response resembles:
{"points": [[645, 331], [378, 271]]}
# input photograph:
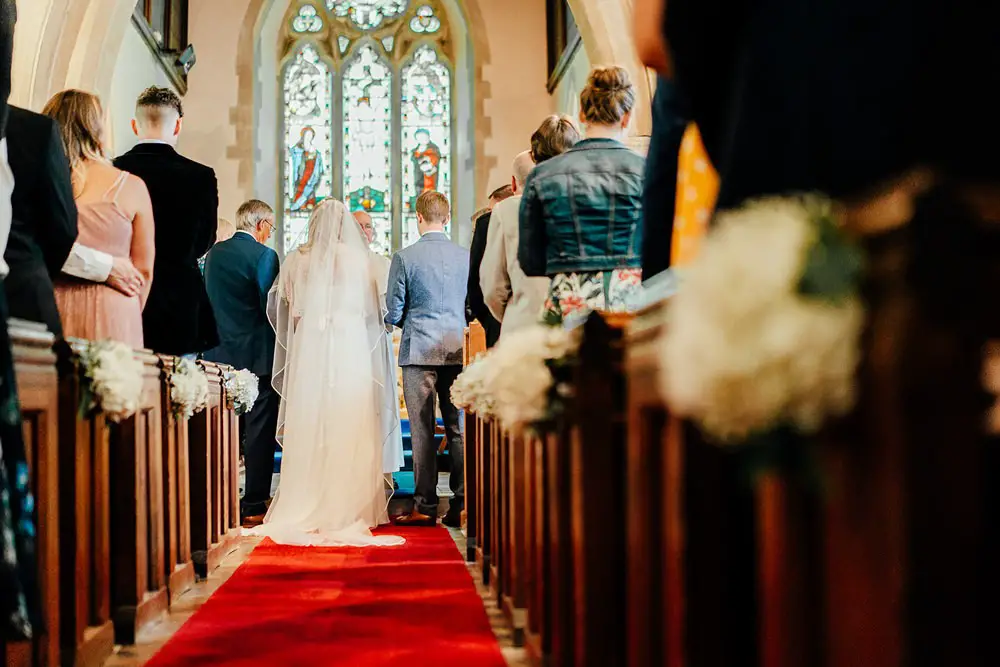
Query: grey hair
{"points": [[250, 213]]}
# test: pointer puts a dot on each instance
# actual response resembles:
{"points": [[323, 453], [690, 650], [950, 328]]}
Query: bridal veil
{"points": [[330, 372]]}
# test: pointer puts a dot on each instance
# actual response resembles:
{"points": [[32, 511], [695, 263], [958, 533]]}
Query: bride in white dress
{"points": [[337, 412]]}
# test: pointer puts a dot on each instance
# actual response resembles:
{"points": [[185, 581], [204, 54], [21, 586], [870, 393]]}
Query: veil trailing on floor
{"points": [[329, 370]]}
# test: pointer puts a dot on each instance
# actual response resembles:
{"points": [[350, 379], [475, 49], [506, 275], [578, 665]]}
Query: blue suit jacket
{"points": [[239, 273], [426, 297]]}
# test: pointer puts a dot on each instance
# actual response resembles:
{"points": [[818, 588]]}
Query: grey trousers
{"points": [[420, 385]]}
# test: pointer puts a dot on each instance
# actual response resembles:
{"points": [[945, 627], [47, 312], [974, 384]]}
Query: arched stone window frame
{"points": [[405, 43]]}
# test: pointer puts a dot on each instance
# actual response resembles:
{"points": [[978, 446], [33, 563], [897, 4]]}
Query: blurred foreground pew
{"points": [[119, 505]]}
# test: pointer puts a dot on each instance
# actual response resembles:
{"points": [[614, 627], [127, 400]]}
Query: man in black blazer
{"points": [[178, 316], [475, 306], [239, 273], [8, 17], [44, 222]]}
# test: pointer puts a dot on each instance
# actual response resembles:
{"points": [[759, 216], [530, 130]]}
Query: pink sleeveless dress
{"points": [[95, 311]]}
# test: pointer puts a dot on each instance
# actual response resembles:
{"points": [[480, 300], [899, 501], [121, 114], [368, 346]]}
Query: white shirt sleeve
{"points": [[6, 214], [88, 264]]}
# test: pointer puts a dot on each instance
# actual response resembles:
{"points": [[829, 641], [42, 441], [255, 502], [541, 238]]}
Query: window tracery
{"points": [[387, 133]]}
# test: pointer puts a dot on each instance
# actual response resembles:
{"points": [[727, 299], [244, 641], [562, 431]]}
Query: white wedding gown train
{"points": [[334, 422]]}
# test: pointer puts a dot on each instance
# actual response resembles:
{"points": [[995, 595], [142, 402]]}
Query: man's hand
{"points": [[124, 277]]}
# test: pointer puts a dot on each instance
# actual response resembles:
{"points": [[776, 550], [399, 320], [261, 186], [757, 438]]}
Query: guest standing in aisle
{"points": [[115, 217], [178, 318], [239, 273], [426, 297], [43, 236], [581, 214], [474, 303], [514, 298]]}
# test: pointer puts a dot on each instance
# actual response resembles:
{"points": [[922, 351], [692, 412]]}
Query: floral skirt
{"points": [[19, 611], [579, 293]]}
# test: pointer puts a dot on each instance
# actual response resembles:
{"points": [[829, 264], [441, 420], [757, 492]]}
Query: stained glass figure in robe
{"points": [[367, 132], [308, 141], [307, 171], [426, 133], [426, 158]]}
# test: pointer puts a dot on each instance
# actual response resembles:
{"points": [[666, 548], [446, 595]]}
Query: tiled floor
{"points": [[151, 639]]}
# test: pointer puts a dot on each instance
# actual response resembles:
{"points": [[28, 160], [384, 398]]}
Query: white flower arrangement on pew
{"points": [[468, 391], [524, 381], [242, 389], [112, 380], [762, 341], [188, 389]]}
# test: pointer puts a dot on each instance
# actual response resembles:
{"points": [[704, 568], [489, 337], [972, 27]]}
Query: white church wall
{"points": [[136, 68], [567, 92]]}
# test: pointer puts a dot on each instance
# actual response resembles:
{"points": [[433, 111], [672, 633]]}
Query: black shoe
{"points": [[452, 520]]}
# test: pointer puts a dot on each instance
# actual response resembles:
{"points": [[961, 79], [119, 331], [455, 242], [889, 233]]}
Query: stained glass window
{"points": [[307, 20], [368, 14], [385, 136], [426, 133], [425, 22], [308, 141], [368, 141]]}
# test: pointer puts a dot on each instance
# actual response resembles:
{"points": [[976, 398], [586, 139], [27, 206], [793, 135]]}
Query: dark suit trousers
{"points": [[261, 443], [420, 384], [31, 295], [670, 117]]}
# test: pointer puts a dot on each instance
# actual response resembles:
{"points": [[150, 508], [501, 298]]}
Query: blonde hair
{"points": [[433, 207], [224, 230], [250, 213], [556, 135], [80, 118], [608, 96]]}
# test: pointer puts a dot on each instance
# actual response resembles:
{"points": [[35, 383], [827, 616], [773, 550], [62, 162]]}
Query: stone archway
{"points": [[66, 43], [606, 29]]}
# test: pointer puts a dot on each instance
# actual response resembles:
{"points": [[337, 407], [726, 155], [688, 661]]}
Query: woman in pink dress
{"points": [[115, 216]]}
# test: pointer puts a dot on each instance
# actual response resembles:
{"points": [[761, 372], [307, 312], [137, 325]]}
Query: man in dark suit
{"points": [[475, 306], [178, 316], [239, 273], [44, 217]]}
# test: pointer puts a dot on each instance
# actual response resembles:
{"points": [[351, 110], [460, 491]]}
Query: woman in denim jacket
{"points": [[581, 214]]}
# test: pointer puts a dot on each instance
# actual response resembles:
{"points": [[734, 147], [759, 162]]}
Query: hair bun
{"points": [[612, 79]]}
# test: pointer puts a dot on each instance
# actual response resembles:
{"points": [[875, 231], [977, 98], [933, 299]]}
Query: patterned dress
{"points": [[19, 610], [578, 293]]}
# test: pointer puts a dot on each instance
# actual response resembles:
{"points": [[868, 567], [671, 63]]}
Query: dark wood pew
{"points": [[38, 391], [554, 578], [138, 526], [653, 508], [484, 501], [496, 483], [475, 344], [537, 630], [84, 505], [691, 530], [178, 563], [597, 464], [514, 547], [573, 491], [229, 465], [213, 464]]}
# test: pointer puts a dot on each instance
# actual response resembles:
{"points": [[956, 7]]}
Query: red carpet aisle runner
{"points": [[414, 605]]}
